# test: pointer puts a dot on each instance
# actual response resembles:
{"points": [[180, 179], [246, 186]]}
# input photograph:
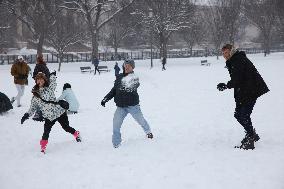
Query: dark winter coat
{"points": [[20, 71], [247, 82], [116, 69], [124, 90], [164, 61], [95, 61], [5, 104], [41, 67]]}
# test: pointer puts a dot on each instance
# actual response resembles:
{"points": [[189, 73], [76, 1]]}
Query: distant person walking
{"points": [[126, 98], [164, 61], [96, 62], [20, 71], [248, 86], [116, 69]]}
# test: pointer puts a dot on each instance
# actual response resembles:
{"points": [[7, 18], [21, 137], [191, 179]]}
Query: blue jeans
{"points": [[120, 114]]}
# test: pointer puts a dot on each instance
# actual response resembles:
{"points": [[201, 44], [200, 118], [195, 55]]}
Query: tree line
{"points": [[64, 24]]}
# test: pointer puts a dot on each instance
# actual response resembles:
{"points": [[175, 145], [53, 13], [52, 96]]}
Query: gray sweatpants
{"points": [[21, 90]]}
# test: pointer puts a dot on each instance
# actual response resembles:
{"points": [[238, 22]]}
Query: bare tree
{"points": [[8, 33], [37, 15], [193, 34], [280, 19], [263, 15], [167, 17], [63, 34], [120, 27], [96, 14], [222, 17]]}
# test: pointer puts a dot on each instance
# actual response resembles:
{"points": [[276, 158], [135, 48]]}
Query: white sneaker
{"points": [[12, 100]]}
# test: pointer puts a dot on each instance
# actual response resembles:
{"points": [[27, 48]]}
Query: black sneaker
{"points": [[78, 139], [255, 137], [247, 144], [150, 136]]}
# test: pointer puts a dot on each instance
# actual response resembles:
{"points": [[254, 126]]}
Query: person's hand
{"points": [[221, 86], [24, 118], [103, 103]]}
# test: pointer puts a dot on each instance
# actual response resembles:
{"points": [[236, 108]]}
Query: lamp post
{"points": [[151, 34]]}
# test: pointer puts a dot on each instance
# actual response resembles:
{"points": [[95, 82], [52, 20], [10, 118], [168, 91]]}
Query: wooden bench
{"points": [[86, 69], [103, 69], [205, 63]]}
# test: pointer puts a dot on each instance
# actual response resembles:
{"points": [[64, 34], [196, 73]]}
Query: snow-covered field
{"points": [[193, 126]]}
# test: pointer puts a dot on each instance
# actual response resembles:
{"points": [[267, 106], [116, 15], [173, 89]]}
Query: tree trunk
{"points": [[60, 60], [95, 38], [94, 45], [163, 45], [266, 44], [115, 44], [40, 44]]}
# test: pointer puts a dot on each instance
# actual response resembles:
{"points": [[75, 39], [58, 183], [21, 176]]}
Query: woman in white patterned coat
{"points": [[51, 112]]}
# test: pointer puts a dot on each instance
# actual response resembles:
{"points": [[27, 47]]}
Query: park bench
{"points": [[86, 69], [205, 63], [103, 69]]}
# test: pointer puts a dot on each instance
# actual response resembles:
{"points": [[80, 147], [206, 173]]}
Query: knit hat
{"points": [[131, 62], [66, 85], [230, 47], [20, 57]]}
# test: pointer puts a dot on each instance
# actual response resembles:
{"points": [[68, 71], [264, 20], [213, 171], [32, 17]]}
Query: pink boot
{"points": [[43, 144], [77, 136]]}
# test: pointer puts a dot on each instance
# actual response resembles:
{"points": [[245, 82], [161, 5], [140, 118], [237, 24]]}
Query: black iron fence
{"points": [[136, 55]]}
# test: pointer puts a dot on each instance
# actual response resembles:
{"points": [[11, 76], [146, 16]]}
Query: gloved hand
{"points": [[24, 118], [103, 103], [52, 73], [221, 86]]}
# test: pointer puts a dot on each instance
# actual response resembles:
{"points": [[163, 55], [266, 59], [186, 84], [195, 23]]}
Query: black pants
{"points": [[63, 120], [242, 114], [97, 69]]}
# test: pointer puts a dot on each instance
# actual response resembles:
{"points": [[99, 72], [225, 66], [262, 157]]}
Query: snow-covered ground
{"points": [[193, 126]]}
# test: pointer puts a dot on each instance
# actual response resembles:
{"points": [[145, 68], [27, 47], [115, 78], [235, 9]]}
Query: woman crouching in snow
{"points": [[69, 96], [44, 91]]}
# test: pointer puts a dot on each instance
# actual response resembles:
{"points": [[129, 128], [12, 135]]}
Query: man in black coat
{"points": [[248, 86], [126, 98]]}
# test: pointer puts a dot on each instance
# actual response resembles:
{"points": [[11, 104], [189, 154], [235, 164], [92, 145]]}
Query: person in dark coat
{"points": [[116, 69], [41, 67], [96, 62], [248, 86], [5, 104], [164, 61], [126, 98]]}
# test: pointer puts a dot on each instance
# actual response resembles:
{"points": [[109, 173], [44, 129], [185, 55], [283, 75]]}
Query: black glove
{"points": [[52, 73], [103, 103], [221, 86], [24, 118]]}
